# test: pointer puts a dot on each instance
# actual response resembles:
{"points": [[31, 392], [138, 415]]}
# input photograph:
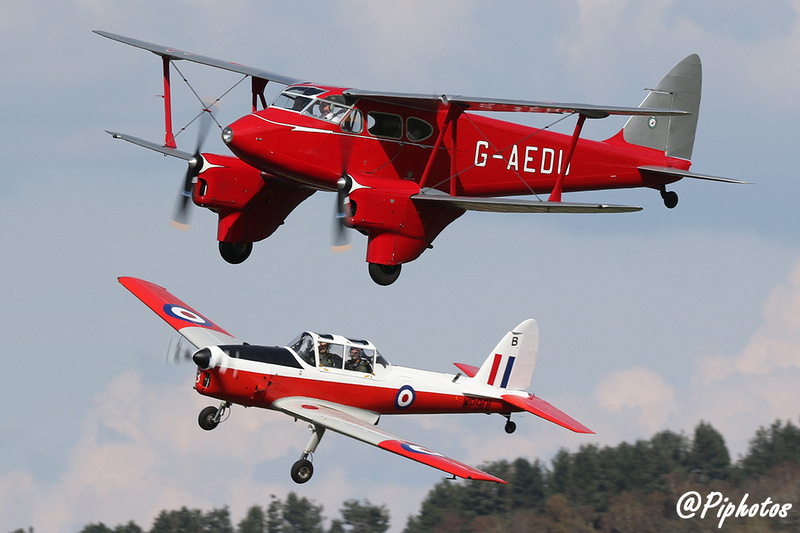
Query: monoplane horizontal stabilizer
{"points": [[160, 148], [517, 205], [541, 408], [678, 173]]}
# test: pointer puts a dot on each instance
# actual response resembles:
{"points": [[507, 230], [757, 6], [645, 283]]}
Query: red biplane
{"points": [[404, 166], [345, 385]]}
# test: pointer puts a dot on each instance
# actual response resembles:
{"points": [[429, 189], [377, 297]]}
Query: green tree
{"points": [[365, 518], [778, 444], [709, 456], [254, 522], [295, 515]]}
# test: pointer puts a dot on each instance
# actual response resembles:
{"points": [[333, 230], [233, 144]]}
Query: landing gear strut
{"points": [[302, 469], [510, 426], [670, 198], [235, 252], [383, 274], [211, 416]]}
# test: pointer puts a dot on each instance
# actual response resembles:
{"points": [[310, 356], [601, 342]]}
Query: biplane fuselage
{"points": [[406, 165]]}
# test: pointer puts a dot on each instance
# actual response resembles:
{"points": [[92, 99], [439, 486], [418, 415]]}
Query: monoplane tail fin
{"points": [[510, 365]]}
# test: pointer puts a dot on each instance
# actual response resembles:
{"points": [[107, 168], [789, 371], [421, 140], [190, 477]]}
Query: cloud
{"points": [[639, 389]]}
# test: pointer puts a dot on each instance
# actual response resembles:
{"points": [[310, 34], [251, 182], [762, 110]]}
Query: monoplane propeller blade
{"points": [[181, 217]]}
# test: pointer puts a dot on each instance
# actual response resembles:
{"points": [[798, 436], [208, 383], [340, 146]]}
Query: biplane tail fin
{"points": [[510, 365], [679, 89]]}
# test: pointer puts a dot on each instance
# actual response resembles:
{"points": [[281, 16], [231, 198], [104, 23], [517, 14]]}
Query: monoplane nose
{"points": [[202, 358]]}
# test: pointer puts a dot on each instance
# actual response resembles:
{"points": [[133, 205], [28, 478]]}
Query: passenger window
{"points": [[385, 125], [417, 129]]}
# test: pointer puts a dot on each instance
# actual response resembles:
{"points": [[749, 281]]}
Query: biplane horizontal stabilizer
{"points": [[678, 173], [517, 205]]}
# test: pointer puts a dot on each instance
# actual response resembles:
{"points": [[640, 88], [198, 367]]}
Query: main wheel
{"points": [[207, 418], [235, 252], [510, 427], [302, 471], [384, 274]]}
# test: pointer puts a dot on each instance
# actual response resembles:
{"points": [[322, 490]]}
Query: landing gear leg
{"points": [[510, 426], [384, 274], [302, 470], [211, 416], [670, 198], [235, 252]]}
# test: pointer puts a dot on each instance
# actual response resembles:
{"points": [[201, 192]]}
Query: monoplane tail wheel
{"points": [[302, 471], [207, 418], [510, 427], [235, 252], [384, 274]]}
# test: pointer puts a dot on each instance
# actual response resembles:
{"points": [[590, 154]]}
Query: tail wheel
{"points": [[208, 418], [302, 471], [510, 427], [235, 252], [670, 198]]}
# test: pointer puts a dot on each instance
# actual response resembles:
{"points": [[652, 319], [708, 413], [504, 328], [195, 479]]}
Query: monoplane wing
{"points": [[516, 205], [678, 173], [193, 326], [360, 424], [541, 408], [176, 54], [432, 101]]}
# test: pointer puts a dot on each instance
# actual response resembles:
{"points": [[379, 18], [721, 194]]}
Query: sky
{"points": [[649, 321]]}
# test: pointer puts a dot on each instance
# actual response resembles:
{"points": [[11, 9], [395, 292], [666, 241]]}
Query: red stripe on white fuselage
{"points": [[260, 390]]}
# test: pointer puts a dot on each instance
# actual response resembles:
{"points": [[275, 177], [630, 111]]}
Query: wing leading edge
{"points": [[360, 425], [193, 326]]}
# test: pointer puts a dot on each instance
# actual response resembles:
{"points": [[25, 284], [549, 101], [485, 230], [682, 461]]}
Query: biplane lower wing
{"points": [[160, 148], [516, 205], [360, 425], [542, 409], [193, 326]]}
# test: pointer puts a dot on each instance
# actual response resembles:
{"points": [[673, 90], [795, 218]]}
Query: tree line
{"points": [[628, 487]]}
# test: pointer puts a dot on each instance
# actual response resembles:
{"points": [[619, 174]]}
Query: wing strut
{"points": [[555, 195], [453, 112], [170, 138]]}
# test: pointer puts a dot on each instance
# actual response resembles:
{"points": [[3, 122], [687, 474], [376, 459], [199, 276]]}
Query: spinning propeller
{"points": [[341, 238], [181, 217]]}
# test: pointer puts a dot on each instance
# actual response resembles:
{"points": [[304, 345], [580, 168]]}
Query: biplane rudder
{"points": [[510, 365], [674, 135]]}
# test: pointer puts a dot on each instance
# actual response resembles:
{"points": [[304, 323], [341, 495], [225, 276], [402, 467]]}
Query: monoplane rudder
{"points": [[510, 365]]}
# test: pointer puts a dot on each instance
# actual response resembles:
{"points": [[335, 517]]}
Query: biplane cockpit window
{"points": [[385, 125], [331, 108], [296, 98], [353, 122], [417, 129]]}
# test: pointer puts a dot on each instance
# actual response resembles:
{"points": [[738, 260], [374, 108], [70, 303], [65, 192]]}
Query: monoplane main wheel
{"points": [[207, 418], [302, 471], [235, 252], [384, 274]]}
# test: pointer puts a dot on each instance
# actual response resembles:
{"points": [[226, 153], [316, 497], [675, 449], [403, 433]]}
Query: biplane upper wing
{"points": [[193, 326], [176, 54], [517, 205], [432, 101], [360, 424]]}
